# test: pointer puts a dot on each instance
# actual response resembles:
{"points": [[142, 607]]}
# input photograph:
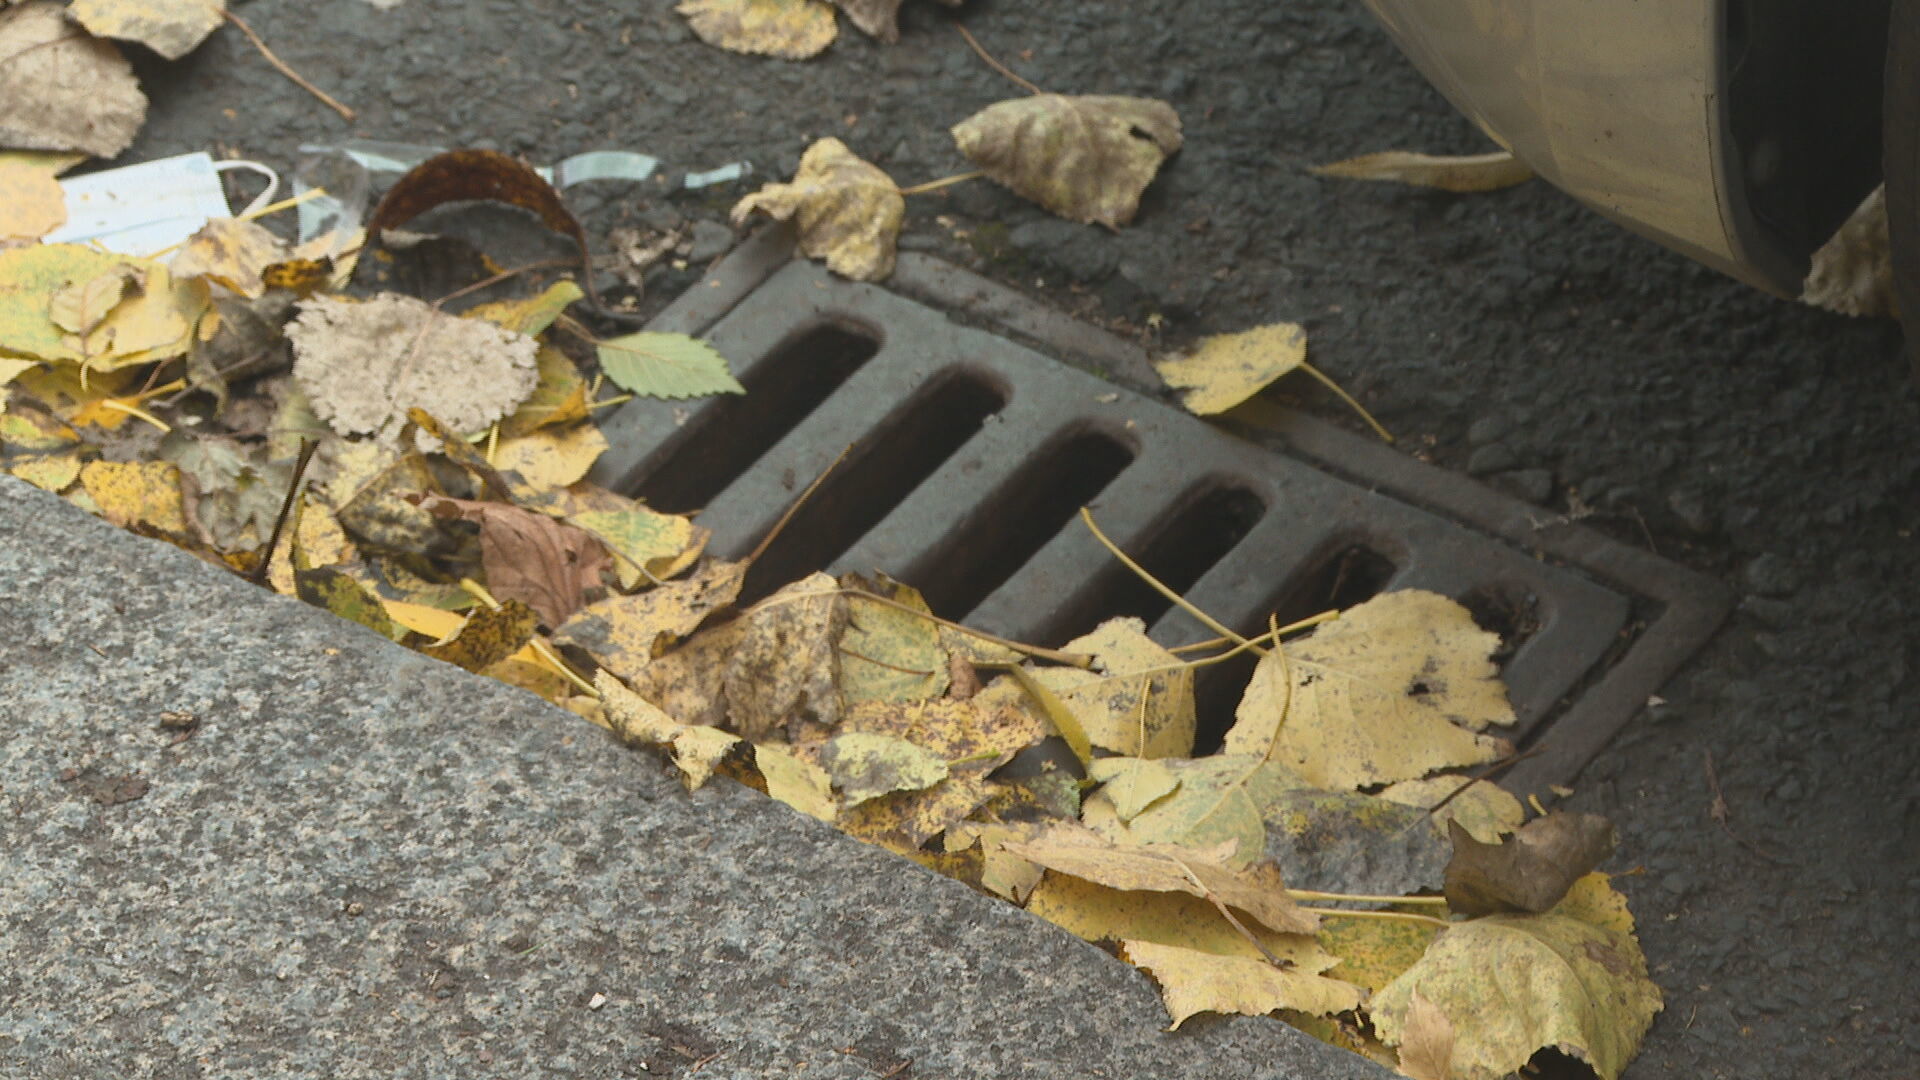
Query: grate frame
{"points": [[1612, 623]]}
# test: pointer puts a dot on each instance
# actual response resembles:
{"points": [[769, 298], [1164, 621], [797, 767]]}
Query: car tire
{"points": [[1901, 127]]}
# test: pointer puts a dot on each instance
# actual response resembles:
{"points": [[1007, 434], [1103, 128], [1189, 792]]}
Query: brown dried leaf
{"points": [[626, 633], [171, 28], [490, 636], [785, 667], [63, 90], [1528, 871], [1086, 158], [846, 210], [550, 566], [466, 175], [789, 29], [877, 18], [1426, 1042]]}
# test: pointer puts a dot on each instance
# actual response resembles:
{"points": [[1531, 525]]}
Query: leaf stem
{"points": [[995, 64], [1361, 898], [1398, 916], [945, 181], [1348, 398], [1179, 601]]}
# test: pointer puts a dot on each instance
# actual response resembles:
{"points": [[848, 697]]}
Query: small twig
{"points": [[774, 533], [1221, 907], [281, 66], [1723, 817], [1362, 898], [995, 64], [259, 575], [1401, 916], [130, 410], [1179, 601], [543, 264], [945, 181], [1500, 766], [882, 663]]}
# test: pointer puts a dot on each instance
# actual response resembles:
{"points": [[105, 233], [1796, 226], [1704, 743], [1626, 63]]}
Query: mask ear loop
{"points": [[261, 200]]}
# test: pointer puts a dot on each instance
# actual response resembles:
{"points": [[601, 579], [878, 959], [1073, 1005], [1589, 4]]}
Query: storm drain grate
{"points": [[973, 449]]}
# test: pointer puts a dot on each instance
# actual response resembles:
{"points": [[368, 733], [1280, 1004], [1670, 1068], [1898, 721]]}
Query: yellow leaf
{"points": [[337, 591], [1484, 809], [1221, 798], [1100, 914], [784, 669], [154, 323], [1593, 899], [549, 458], [171, 28], [1003, 874], [1138, 702], [796, 781], [696, 749], [231, 252], [51, 472], [538, 679], [1515, 984], [866, 766], [902, 822], [489, 636], [1476, 172], [790, 29], [434, 624], [32, 203], [1085, 158], [1394, 689], [1373, 952], [560, 397], [1195, 982], [1133, 784], [136, 493], [644, 542], [846, 210], [888, 654], [1256, 890], [530, 316], [1226, 369], [627, 633]]}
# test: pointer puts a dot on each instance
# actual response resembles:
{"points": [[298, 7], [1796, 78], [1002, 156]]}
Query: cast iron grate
{"points": [[974, 446]]}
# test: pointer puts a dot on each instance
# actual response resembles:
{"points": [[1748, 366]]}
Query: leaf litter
{"points": [[1323, 865]]}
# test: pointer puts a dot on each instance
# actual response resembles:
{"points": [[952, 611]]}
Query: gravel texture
{"points": [[244, 839], [1749, 437]]}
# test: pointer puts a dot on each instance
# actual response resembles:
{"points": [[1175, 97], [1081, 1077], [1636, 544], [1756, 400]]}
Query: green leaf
{"points": [[666, 366]]}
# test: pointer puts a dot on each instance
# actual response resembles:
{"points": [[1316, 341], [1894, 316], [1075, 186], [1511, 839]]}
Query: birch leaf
{"points": [[1226, 369], [61, 90], [666, 365], [1085, 158], [1196, 982], [846, 210], [789, 29]]}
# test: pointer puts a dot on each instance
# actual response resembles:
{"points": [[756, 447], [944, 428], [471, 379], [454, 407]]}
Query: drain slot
{"points": [[881, 471], [1212, 520], [1017, 520], [1350, 575], [733, 432]]}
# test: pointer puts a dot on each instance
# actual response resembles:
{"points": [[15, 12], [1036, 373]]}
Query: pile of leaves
{"points": [[423, 473]]}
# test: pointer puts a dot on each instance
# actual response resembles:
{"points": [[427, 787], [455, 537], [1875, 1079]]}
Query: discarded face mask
{"points": [[147, 208]]}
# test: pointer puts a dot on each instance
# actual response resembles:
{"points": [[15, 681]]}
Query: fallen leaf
{"points": [[469, 175], [32, 203], [489, 636], [626, 633], [876, 18], [1515, 984], [1473, 172], [548, 565], [1100, 914], [1528, 871], [1256, 890], [336, 591], [1133, 784], [888, 654], [549, 458], [68, 302], [846, 210], [903, 822], [690, 682], [1221, 798], [644, 542], [1226, 369], [1426, 1043], [796, 781], [234, 495], [364, 365], [789, 29], [1394, 689], [559, 397], [1593, 899], [785, 667], [532, 315], [1194, 982], [172, 28], [697, 750], [63, 90], [1373, 952], [314, 538], [1484, 809], [970, 735], [1138, 700], [136, 492], [1852, 273], [232, 252], [1000, 873], [663, 365], [866, 766], [1085, 158], [374, 488]]}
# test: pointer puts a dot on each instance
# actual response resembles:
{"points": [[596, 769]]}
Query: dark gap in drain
{"points": [[1345, 577], [883, 469], [1016, 521], [733, 432], [1207, 525], [1511, 611]]}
